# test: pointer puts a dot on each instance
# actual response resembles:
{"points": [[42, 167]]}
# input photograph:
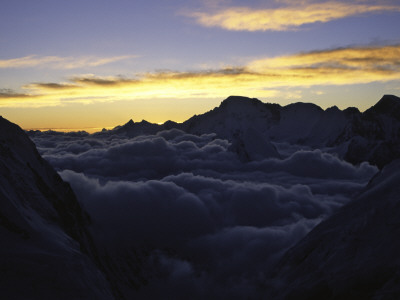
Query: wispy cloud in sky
{"points": [[258, 78], [289, 17], [59, 62], [350, 65], [8, 93]]}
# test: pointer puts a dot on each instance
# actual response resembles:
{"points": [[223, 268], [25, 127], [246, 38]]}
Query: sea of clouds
{"points": [[194, 218]]}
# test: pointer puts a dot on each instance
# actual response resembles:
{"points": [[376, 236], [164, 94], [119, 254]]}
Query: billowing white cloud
{"points": [[198, 220]]}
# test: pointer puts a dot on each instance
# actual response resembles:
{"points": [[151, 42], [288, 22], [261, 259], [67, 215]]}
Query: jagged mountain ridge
{"points": [[371, 136], [293, 122], [35, 179], [302, 123]]}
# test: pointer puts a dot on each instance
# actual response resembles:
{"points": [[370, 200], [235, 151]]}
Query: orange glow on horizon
{"points": [[160, 96], [261, 78]]}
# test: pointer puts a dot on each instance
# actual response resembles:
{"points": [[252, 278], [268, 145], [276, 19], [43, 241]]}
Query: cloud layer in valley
{"points": [[202, 221]]}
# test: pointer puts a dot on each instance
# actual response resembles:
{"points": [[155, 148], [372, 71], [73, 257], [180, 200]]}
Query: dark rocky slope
{"points": [[46, 249], [352, 255]]}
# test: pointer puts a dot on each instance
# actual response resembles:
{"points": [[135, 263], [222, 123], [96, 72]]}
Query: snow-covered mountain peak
{"points": [[239, 101], [351, 111], [126, 126], [170, 124], [129, 123], [388, 100], [332, 109], [241, 107], [388, 105], [305, 106]]}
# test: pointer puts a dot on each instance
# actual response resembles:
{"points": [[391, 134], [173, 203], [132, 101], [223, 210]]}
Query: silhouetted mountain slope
{"points": [[208, 206], [388, 105], [370, 136], [45, 244], [234, 114], [137, 128], [374, 136], [295, 123], [352, 255]]}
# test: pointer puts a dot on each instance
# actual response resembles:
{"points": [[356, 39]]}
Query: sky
{"points": [[87, 65]]}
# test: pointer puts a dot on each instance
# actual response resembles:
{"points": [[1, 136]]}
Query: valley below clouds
{"points": [[182, 214], [205, 149]]}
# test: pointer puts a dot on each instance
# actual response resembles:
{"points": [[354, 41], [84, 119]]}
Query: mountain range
{"points": [[53, 249], [356, 136]]}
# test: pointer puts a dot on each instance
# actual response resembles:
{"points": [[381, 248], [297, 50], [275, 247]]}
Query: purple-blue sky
{"points": [[88, 64]]}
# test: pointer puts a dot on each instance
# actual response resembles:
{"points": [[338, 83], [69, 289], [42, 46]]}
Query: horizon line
{"points": [[92, 130]]}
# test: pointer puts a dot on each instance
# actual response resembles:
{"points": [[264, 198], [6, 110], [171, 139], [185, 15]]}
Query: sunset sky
{"points": [[88, 64]]}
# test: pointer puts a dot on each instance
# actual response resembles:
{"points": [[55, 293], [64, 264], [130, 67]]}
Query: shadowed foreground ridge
{"points": [[249, 200], [45, 245], [351, 255]]}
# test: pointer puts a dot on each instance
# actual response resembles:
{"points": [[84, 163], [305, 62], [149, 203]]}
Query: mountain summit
{"points": [[372, 136], [249, 200], [388, 105], [239, 101]]}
